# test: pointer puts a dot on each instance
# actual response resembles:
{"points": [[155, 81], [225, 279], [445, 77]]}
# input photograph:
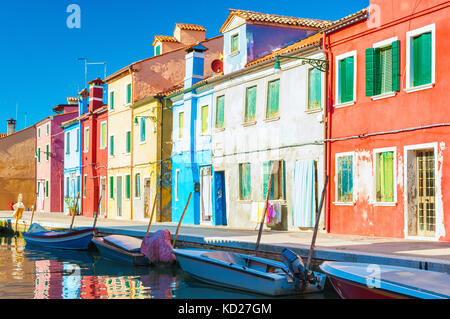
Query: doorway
{"points": [[119, 196], [147, 197], [220, 211], [205, 195], [102, 194]]}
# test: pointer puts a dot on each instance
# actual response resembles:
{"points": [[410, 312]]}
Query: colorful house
{"points": [[72, 153], [229, 128], [50, 157], [388, 131], [94, 128], [138, 120]]}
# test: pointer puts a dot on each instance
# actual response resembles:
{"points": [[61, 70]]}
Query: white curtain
{"points": [[304, 194]]}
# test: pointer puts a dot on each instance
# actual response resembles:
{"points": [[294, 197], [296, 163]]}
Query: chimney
{"points": [[83, 102], [72, 100], [11, 126], [95, 94], [188, 34], [195, 65]]}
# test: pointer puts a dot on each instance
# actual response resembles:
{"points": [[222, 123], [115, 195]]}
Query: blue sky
{"points": [[39, 52]]}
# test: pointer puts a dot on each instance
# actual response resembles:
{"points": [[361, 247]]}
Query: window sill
{"points": [[384, 204], [344, 104], [271, 119], [315, 110], [249, 123], [344, 203], [234, 53], [217, 130], [419, 88], [383, 96]]}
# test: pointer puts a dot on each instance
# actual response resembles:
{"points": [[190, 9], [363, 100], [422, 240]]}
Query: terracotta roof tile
{"points": [[314, 39], [277, 19], [192, 27], [354, 17], [164, 38]]}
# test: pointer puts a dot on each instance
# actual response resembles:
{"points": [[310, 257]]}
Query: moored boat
{"points": [[72, 240], [372, 281], [121, 248], [243, 272]]}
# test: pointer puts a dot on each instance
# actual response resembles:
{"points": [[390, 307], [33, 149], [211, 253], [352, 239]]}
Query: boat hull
{"points": [[350, 290], [116, 253], [232, 275], [76, 240]]}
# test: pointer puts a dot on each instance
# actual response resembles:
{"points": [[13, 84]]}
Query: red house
{"points": [[94, 156], [389, 126]]}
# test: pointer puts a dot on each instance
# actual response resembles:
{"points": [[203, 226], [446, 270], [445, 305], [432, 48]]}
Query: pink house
{"points": [[50, 157]]}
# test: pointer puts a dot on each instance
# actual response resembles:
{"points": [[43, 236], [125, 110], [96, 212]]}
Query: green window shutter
{"points": [[314, 89], [128, 142], [205, 119], [103, 135], [250, 104], [346, 80], [111, 145], [370, 72], [266, 175], [129, 93], [111, 101], [282, 194], [234, 43], [385, 177], [180, 124], [143, 129], [158, 50], [39, 154], [46, 188], [84, 185], [396, 66], [421, 60], [128, 186], [86, 140], [111, 187], [245, 181], [137, 192], [345, 179], [47, 152], [273, 99], [220, 109]]}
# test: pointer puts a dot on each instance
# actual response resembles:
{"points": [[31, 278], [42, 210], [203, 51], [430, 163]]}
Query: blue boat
{"points": [[121, 248], [71, 240], [372, 281]]}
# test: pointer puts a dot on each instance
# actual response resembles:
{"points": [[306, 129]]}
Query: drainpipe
{"points": [[327, 127]]}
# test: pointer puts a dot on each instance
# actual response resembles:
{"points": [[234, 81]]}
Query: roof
{"points": [[2, 135], [345, 21], [164, 38], [191, 27], [309, 41], [277, 19]]}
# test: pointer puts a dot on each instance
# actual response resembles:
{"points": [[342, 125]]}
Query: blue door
{"points": [[220, 212]]}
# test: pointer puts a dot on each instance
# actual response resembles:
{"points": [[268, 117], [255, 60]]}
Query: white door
{"points": [[206, 194]]}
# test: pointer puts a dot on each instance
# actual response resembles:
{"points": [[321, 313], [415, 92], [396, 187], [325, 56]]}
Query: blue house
{"points": [[72, 152], [192, 170]]}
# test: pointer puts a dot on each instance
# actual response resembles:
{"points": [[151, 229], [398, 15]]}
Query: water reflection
{"points": [[28, 272]]}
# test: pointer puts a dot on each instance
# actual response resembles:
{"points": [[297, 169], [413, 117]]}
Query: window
{"points": [[204, 117], [111, 145], [86, 139], [177, 178], [103, 135], [158, 49], [127, 186], [245, 177], [234, 45], [128, 143], [78, 184], [420, 66], [180, 125], [220, 109], [314, 89], [346, 78], [78, 140], [383, 68], [384, 176], [128, 93], [48, 129], [137, 185], [250, 104], [47, 152], [39, 132], [67, 186], [111, 101], [278, 188], [345, 178], [143, 130], [39, 154], [111, 187], [46, 189], [68, 143], [273, 99], [84, 185]]}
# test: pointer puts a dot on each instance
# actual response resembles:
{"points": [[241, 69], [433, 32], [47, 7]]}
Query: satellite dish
{"points": [[217, 66]]}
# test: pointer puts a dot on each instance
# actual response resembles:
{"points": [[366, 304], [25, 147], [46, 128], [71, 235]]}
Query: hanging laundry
{"points": [[304, 194], [270, 214]]}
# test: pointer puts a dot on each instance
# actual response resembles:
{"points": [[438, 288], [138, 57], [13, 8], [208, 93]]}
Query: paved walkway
{"points": [[402, 252]]}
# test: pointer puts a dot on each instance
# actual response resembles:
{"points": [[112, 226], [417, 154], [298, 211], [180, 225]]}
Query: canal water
{"points": [[29, 272]]}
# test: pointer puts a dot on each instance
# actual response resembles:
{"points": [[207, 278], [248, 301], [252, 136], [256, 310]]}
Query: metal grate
{"points": [[426, 185]]}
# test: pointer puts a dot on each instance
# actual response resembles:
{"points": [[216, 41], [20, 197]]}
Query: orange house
{"points": [[388, 127]]}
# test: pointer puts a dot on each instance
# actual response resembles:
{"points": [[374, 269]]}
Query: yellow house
{"points": [[151, 164], [120, 146]]}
